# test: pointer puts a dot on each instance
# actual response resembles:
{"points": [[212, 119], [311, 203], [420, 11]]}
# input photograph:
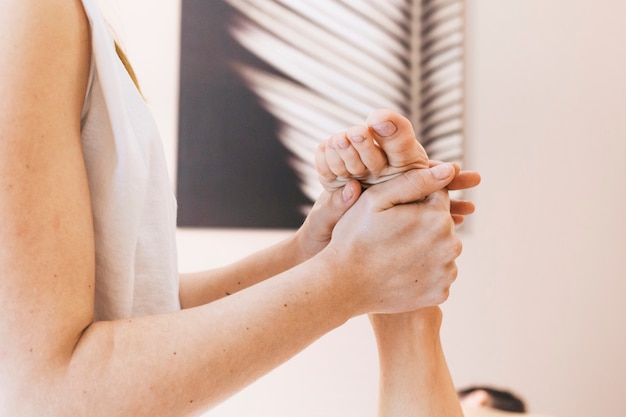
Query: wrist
{"points": [[310, 239], [337, 277], [292, 250]]}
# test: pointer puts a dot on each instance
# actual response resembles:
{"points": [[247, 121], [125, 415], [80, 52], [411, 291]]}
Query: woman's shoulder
{"points": [[51, 27], [45, 50], [36, 18]]}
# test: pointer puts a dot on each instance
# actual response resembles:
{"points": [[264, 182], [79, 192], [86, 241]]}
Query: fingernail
{"points": [[385, 129], [442, 171], [357, 139], [342, 143], [347, 193]]}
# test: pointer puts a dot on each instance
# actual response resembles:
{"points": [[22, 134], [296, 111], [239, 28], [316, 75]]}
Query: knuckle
{"points": [[356, 130], [327, 176], [445, 294], [458, 247], [416, 180], [369, 199], [440, 296], [359, 171], [454, 272], [441, 223]]}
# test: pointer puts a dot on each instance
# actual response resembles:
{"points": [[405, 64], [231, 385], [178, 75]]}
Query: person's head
{"points": [[483, 396]]}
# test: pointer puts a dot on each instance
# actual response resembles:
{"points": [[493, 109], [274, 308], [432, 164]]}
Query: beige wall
{"points": [[540, 302], [538, 306]]}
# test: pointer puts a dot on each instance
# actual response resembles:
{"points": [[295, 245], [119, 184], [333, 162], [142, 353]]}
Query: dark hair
{"points": [[498, 398]]}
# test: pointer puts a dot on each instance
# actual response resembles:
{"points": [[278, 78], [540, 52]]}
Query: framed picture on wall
{"points": [[263, 82]]}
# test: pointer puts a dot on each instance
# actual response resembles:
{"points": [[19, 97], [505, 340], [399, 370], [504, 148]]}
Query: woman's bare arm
{"points": [[46, 237], [55, 361], [205, 286]]}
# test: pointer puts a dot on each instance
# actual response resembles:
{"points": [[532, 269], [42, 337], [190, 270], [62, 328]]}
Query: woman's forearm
{"points": [[203, 287], [206, 286], [176, 364], [414, 376]]}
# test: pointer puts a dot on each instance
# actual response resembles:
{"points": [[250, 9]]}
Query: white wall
{"points": [[538, 305]]}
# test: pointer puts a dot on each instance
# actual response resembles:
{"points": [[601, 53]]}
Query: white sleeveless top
{"points": [[133, 205]]}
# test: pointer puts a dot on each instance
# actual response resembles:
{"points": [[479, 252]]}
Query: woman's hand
{"points": [[410, 217], [317, 229]]}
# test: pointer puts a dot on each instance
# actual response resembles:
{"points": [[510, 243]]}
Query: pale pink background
{"points": [[538, 305]]}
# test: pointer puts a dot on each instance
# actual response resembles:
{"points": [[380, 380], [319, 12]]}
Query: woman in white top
{"points": [[94, 319]]}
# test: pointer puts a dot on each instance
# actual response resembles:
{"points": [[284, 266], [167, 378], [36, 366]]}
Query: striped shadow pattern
{"points": [[334, 61]]}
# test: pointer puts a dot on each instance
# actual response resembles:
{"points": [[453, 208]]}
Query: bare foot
{"points": [[384, 148]]}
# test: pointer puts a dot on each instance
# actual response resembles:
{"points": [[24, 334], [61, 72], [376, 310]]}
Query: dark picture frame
{"points": [[263, 81]]}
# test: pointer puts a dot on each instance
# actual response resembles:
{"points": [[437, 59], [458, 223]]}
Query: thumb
{"points": [[412, 186], [342, 199], [328, 209], [331, 206]]}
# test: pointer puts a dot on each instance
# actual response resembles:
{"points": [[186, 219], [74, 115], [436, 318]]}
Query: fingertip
{"points": [[457, 168], [351, 191], [477, 176], [383, 122], [443, 171], [379, 116], [320, 163]]}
